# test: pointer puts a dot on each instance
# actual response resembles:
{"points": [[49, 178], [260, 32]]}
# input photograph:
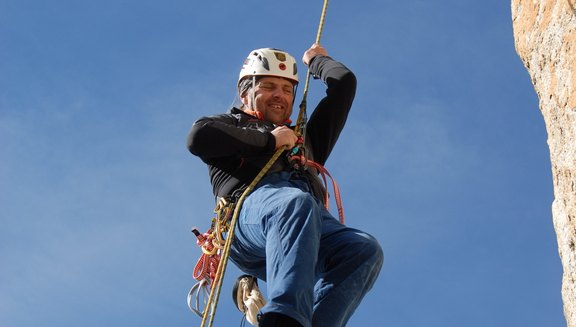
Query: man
{"points": [[316, 269]]}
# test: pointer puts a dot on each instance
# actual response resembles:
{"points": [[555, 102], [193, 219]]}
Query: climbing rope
{"points": [[215, 254], [302, 116]]}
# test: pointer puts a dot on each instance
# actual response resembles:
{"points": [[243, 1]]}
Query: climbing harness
{"points": [[217, 241]]}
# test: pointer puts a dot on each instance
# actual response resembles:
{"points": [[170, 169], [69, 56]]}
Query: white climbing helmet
{"points": [[269, 62]]}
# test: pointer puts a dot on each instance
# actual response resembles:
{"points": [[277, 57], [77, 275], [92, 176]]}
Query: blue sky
{"points": [[444, 157]]}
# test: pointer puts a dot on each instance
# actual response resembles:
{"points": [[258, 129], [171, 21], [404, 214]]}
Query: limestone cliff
{"points": [[545, 39]]}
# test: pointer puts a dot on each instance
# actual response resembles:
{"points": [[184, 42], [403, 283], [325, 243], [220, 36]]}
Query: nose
{"points": [[277, 93]]}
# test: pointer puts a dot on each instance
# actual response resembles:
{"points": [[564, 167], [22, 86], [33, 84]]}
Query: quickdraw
{"points": [[211, 243]]}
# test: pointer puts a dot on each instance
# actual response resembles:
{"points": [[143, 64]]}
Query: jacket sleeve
{"points": [[219, 136], [329, 117]]}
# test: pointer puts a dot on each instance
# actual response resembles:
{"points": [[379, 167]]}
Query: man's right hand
{"points": [[315, 50], [284, 136]]}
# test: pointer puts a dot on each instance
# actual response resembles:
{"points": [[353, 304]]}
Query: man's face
{"points": [[273, 97]]}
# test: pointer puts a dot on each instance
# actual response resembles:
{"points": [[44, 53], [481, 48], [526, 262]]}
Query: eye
{"points": [[288, 90], [267, 86]]}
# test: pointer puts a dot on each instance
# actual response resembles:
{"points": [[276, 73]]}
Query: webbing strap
{"points": [[323, 173]]}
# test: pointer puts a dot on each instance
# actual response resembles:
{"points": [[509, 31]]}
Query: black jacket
{"points": [[236, 145]]}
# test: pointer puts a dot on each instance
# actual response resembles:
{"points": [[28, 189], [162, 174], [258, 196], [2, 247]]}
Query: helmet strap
{"points": [[253, 96]]}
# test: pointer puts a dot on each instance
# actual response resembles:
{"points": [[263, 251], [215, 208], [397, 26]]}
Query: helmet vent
{"points": [[265, 63]]}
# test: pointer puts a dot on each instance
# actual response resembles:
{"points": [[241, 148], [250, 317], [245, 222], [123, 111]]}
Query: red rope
{"points": [[324, 172]]}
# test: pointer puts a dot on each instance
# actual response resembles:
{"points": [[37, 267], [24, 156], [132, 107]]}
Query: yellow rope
{"points": [[302, 112], [216, 287]]}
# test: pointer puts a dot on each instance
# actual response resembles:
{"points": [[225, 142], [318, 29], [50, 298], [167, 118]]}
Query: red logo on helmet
{"points": [[282, 66]]}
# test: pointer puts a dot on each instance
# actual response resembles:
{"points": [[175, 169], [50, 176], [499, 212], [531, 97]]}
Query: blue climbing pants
{"points": [[316, 269]]}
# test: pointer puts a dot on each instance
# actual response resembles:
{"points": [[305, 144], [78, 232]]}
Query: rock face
{"points": [[545, 39]]}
